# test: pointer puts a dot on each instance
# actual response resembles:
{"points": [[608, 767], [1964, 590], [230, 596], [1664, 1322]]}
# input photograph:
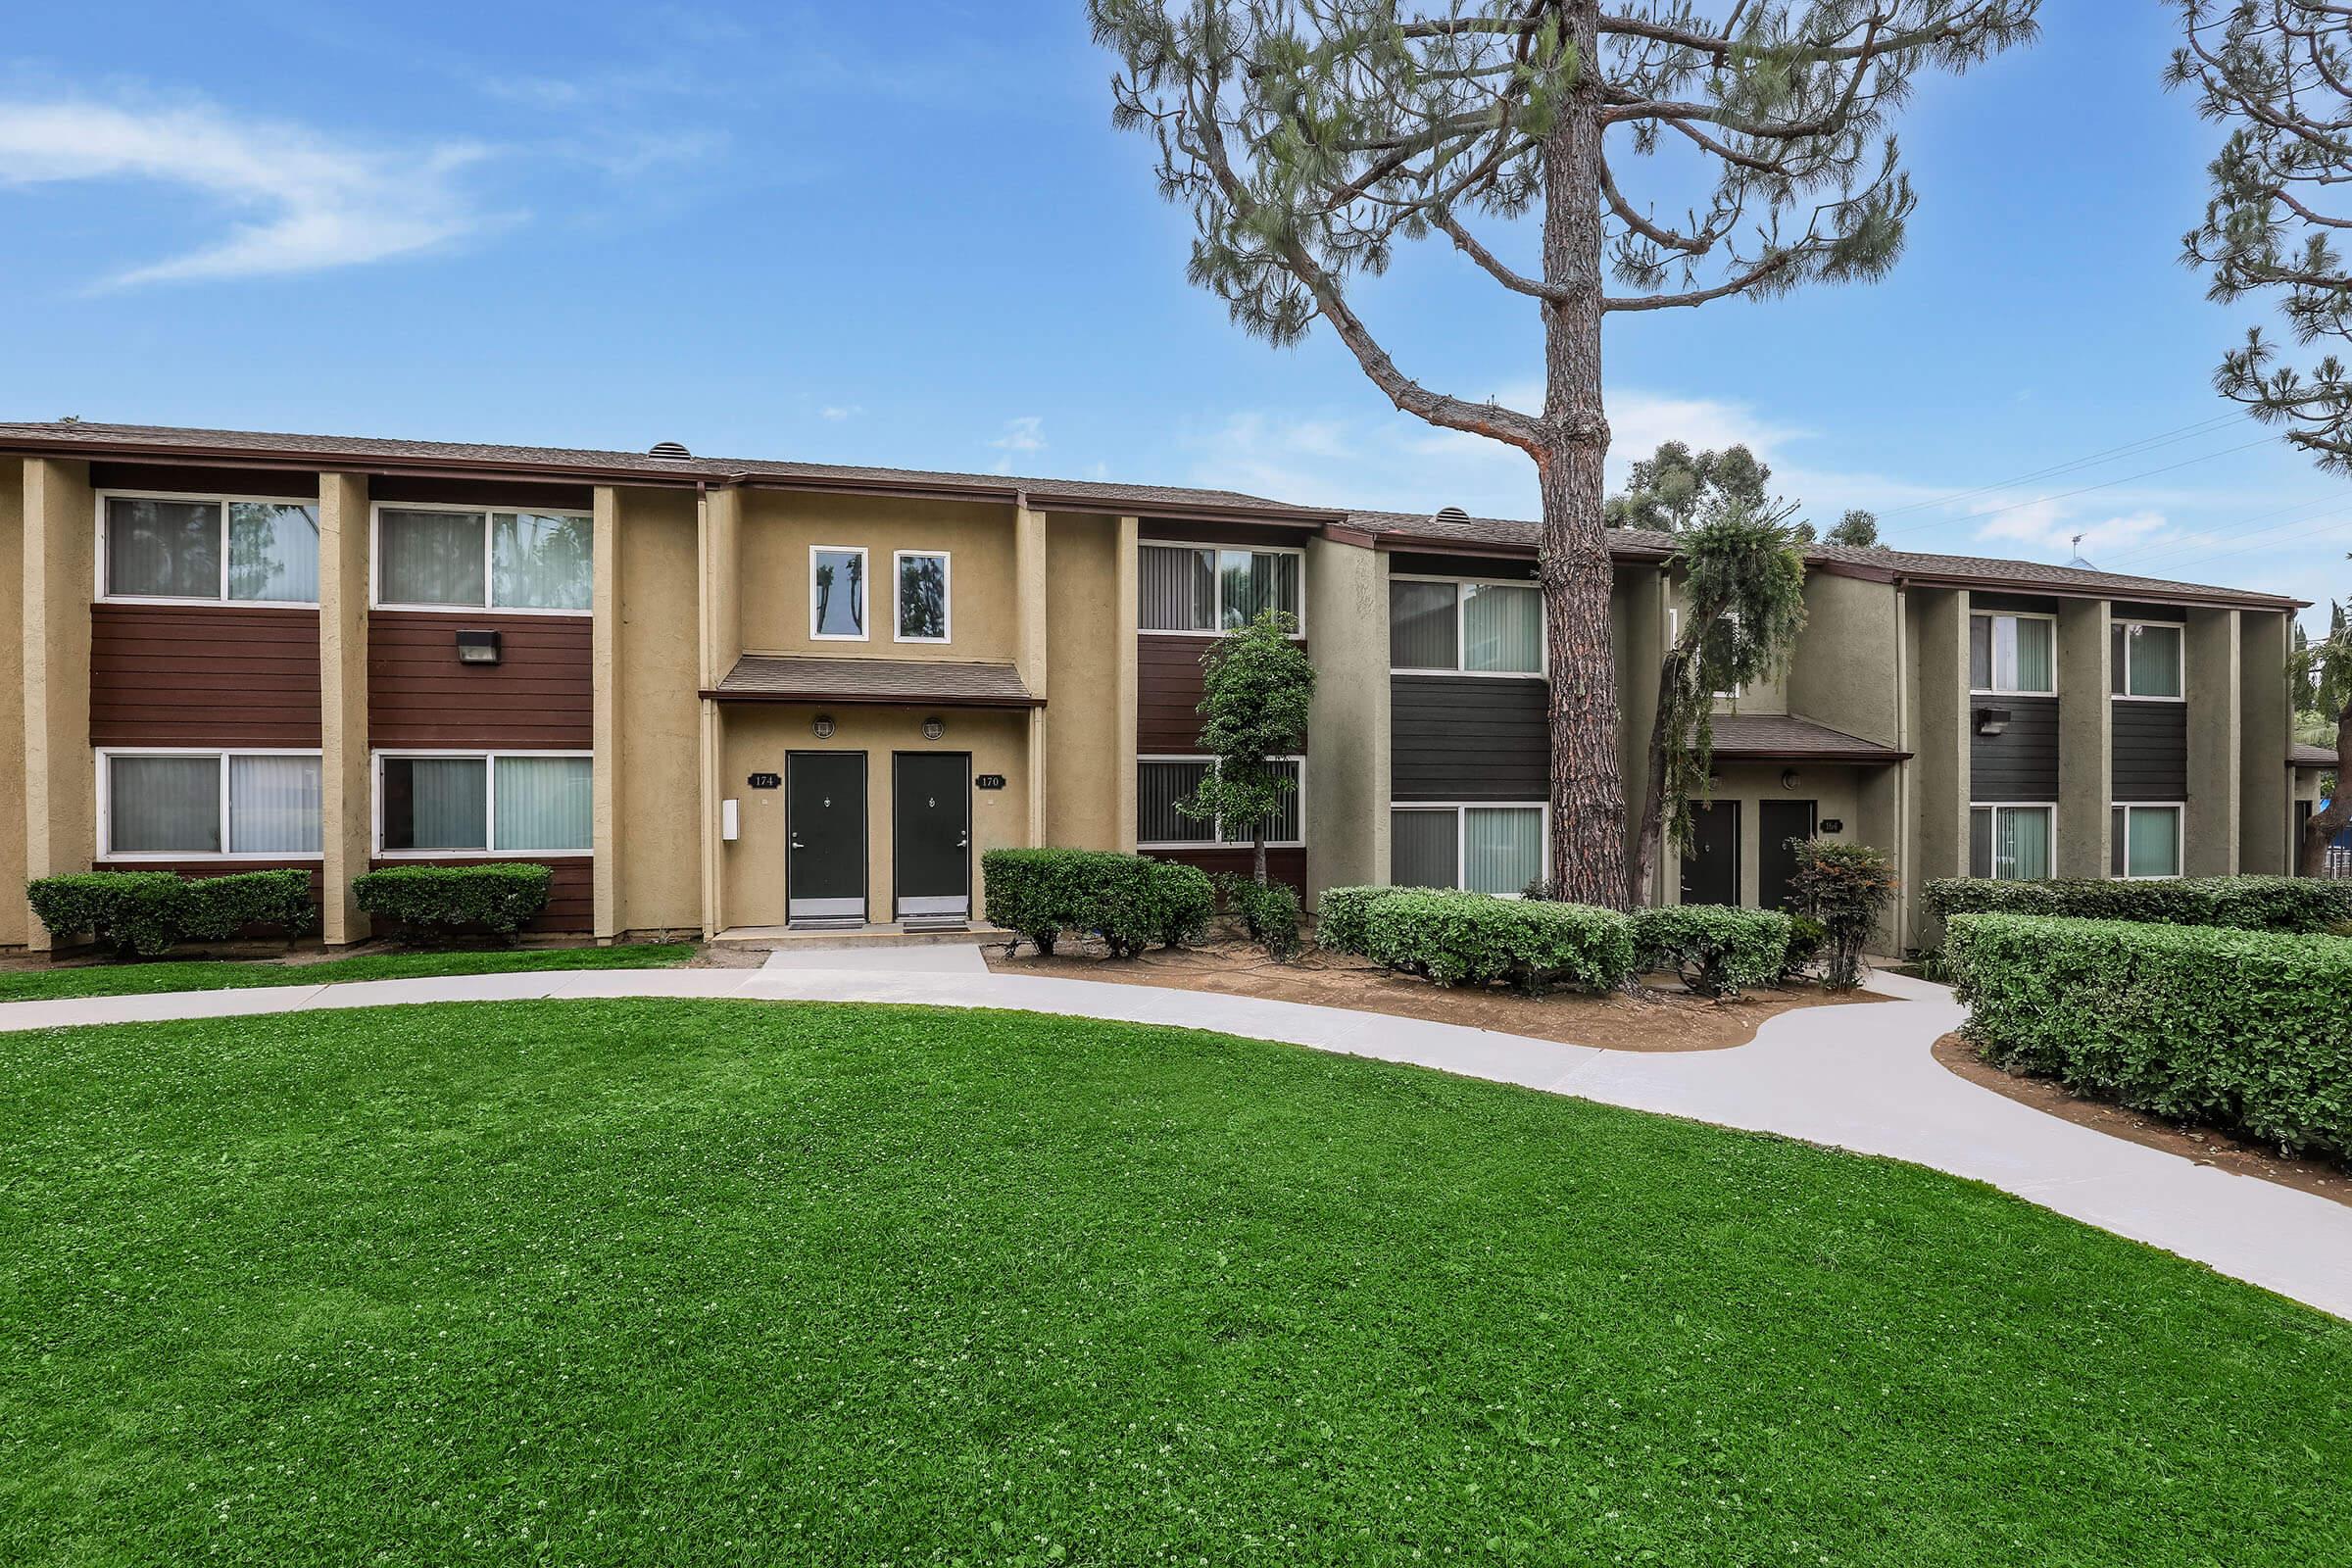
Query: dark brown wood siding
{"points": [[488, 494], [1161, 530], [1167, 692], [1282, 865], [2020, 764], [536, 698], [277, 484], [570, 897], [2152, 750], [203, 676], [1468, 738]]}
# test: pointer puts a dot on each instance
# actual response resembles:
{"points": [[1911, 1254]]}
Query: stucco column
{"points": [[2086, 738], [2266, 727], [2209, 825], [61, 785], [1030, 612], [1945, 733], [1347, 804], [603, 646], [16, 919], [1126, 671], [345, 811], [719, 520]]}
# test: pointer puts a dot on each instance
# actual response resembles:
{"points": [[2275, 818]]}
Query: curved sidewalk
{"points": [[1858, 1077]]}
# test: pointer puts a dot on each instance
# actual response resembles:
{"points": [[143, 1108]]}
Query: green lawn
{"points": [[208, 974], [650, 1282]]}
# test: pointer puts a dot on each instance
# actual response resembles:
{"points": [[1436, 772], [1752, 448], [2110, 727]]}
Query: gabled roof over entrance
{"points": [[1784, 738], [892, 682]]}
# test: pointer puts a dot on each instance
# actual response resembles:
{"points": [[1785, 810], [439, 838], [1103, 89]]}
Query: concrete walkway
{"points": [[1857, 1077]]}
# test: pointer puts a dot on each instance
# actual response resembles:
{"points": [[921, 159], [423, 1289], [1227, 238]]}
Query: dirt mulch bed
{"points": [[1673, 1020], [2206, 1145]]}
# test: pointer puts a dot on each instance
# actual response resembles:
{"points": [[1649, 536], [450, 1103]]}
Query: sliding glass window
{"points": [[1200, 588], [505, 803], [2013, 655], [449, 557], [182, 805], [2143, 841], [1477, 629], [1161, 782], [210, 549], [2144, 659], [2010, 843], [1483, 848]]}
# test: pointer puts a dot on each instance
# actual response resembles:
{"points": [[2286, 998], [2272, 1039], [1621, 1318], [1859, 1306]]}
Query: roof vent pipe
{"points": [[667, 449]]}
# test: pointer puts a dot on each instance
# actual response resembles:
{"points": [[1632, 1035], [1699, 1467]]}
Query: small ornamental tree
{"points": [[1256, 687], [1847, 887], [1743, 604]]}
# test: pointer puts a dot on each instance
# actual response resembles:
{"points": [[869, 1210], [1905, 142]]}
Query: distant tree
{"points": [[1308, 136], [1742, 606], [1257, 684], [1857, 528], [1669, 490], [2331, 663]]}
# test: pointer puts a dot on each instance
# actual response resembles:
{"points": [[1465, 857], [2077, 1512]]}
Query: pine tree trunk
{"points": [[2311, 854], [1588, 784]]}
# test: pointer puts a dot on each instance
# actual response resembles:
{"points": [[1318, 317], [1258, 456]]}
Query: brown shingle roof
{"points": [[2300, 754], [894, 682], [1786, 738]]}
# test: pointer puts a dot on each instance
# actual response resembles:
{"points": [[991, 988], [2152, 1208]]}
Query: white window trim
{"points": [[1974, 690], [1541, 670], [486, 511], [2179, 631], [2179, 810], [1298, 633], [897, 580], [105, 799], [1462, 829], [1997, 806], [376, 791], [865, 576], [103, 576], [1218, 840], [1674, 632]]}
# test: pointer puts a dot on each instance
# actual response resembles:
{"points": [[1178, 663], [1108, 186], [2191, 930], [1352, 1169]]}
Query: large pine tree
{"points": [[1308, 136]]}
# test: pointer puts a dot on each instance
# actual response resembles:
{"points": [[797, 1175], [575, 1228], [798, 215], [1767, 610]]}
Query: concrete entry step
{"points": [[918, 957], [893, 935]]}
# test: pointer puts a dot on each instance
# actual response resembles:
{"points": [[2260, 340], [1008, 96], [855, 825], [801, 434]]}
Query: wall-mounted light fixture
{"points": [[1991, 720], [821, 726], [477, 648], [934, 728], [1788, 778]]}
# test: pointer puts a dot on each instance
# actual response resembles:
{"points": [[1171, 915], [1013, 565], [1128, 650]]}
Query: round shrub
{"points": [[1475, 939], [1716, 950]]}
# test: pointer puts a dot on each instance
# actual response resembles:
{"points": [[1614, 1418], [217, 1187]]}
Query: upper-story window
{"points": [[2013, 655], [2144, 659], [1196, 588], [211, 548], [1445, 625], [923, 589], [837, 593], [456, 557], [1726, 624]]}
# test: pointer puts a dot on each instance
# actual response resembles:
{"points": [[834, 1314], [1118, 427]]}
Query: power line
{"points": [[2334, 526], [2105, 484], [2126, 449], [2166, 548]]}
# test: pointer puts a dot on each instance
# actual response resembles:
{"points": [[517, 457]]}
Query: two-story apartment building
{"points": [[726, 696]]}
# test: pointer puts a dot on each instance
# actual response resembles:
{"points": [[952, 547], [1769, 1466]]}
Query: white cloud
{"points": [[307, 203], [1022, 435], [838, 411]]}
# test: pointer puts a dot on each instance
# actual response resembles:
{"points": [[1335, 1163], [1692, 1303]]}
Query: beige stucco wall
{"points": [[758, 737], [1346, 807], [1768, 695], [15, 918], [1938, 675], [2086, 738], [60, 523], [1844, 672], [1086, 754], [2209, 826], [1638, 602], [658, 881], [780, 528], [2266, 729], [346, 811]]}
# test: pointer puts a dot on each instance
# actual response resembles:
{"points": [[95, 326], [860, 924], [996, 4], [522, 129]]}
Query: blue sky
{"points": [[906, 235]]}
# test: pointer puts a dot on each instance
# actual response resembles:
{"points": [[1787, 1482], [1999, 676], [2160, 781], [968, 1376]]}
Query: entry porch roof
{"points": [[892, 682], [1786, 738]]}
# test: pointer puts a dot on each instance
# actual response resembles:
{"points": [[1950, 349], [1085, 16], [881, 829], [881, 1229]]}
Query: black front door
{"points": [[932, 835], [1778, 821], [1712, 862], [824, 870]]}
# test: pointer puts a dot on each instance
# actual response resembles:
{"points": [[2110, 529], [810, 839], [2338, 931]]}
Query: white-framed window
{"points": [[1484, 846], [1465, 626], [436, 804], [169, 803], [2145, 659], [156, 547], [838, 591], [2143, 840], [921, 581], [1162, 781], [2011, 655], [1204, 589], [2013, 841], [433, 556], [1674, 632]]}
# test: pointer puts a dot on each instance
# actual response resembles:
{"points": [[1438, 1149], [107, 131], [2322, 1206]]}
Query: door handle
{"points": [[963, 840], [797, 844]]}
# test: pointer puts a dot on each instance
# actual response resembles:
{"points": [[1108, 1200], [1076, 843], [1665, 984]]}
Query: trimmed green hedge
{"points": [[1269, 914], [148, 913], [1716, 950], [2247, 1030], [1129, 901], [497, 896], [2246, 903], [1475, 939]]}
